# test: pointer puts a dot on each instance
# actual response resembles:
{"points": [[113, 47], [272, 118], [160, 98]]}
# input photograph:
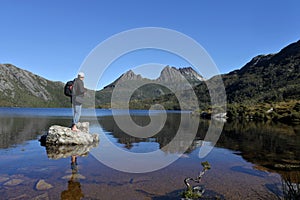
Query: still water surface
{"points": [[250, 160]]}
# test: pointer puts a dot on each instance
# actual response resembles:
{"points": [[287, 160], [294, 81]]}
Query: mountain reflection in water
{"points": [[163, 137], [270, 145], [248, 160]]}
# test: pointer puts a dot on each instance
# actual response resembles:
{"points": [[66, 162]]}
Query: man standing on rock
{"points": [[77, 99]]}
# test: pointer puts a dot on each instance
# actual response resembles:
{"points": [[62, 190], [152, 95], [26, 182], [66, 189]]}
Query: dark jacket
{"points": [[78, 92]]}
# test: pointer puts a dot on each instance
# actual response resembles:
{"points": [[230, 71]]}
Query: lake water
{"points": [[249, 161]]}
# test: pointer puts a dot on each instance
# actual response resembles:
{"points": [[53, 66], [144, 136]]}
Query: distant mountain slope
{"points": [[273, 77], [21, 88]]}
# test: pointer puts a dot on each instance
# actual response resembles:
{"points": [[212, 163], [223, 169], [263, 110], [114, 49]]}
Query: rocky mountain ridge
{"points": [[26, 79], [167, 75], [20, 88], [170, 80]]}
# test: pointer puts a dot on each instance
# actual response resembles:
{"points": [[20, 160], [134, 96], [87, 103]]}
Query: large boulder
{"points": [[60, 135]]}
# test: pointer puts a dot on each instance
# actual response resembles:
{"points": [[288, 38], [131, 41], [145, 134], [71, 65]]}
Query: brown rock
{"points": [[42, 185], [13, 182]]}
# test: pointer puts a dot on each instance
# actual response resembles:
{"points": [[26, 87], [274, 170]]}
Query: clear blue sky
{"points": [[52, 38]]}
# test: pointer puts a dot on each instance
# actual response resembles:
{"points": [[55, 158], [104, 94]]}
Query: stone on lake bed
{"points": [[44, 196], [13, 182], [3, 179], [42, 185], [60, 135]]}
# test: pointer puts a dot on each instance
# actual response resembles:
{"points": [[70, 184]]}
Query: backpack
{"points": [[68, 88]]}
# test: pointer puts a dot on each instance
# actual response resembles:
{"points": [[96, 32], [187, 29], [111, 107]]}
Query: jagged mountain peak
{"points": [[172, 74], [130, 75], [191, 74], [168, 75]]}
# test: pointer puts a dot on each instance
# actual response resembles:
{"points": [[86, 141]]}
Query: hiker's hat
{"points": [[81, 74]]}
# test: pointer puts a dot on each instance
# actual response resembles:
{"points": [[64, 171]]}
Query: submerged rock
{"points": [[44, 196], [13, 182], [3, 179], [42, 185], [60, 135]]}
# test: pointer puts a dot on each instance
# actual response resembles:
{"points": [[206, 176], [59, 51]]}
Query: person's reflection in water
{"points": [[74, 188], [74, 164]]}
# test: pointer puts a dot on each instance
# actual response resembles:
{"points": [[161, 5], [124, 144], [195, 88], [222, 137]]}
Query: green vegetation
{"points": [[278, 111], [197, 191], [21, 97]]}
